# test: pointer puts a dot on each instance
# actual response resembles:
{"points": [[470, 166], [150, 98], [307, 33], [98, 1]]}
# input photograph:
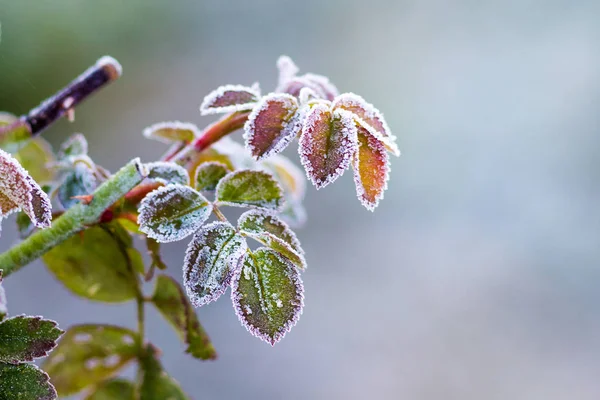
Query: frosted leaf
{"points": [[272, 125], [271, 231], [208, 175], [174, 131], [81, 181], [287, 71], [246, 188], [307, 94], [172, 212], [290, 177], [75, 145], [371, 169], [327, 144], [369, 117], [294, 214], [230, 98], [25, 382], [167, 173], [327, 89], [211, 260], [267, 295], [25, 338], [18, 187], [3, 309]]}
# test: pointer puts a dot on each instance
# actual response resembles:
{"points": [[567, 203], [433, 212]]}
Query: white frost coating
{"points": [[76, 142], [209, 104], [152, 132], [369, 117], [171, 213], [360, 189], [306, 94], [291, 125], [108, 61], [345, 150], [17, 186], [287, 71], [327, 88], [167, 173], [211, 260], [269, 305]]}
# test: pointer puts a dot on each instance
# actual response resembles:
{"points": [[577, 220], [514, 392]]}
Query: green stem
{"points": [[73, 220], [219, 214]]}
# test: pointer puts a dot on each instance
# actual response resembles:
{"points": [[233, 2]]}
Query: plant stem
{"points": [[141, 318], [188, 157], [219, 214], [106, 70], [74, 219]]}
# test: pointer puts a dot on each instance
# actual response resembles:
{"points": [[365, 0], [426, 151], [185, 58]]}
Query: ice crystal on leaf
{"points": [[30, 382], [290, 83], [247, 188], [167, 173], [371, 169], [75, 145], [267, 294], [19, 191], [211, 260], [80, 181], [271, 231], [327, 144], [25, 338], [170, 132], [172, 212], [368, 117], [272, 125], [230, 98], [208, 175]]}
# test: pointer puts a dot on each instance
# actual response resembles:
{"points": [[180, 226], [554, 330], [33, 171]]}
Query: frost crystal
{"points": [[247, 188], [211, 260], [267, 295], [327, 144], [290, 83], [272, 125], [230, 98], [19, 191], [271, 231], [208, 175], [287, 71], [80, 181], [371, 169], [167, 173], [172, 212], [174, 131], [368, 117]]}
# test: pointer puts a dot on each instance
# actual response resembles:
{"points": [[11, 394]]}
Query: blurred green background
{"points": [[478, 275]]}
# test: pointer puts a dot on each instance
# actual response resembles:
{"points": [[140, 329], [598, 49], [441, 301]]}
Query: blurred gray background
{"points": [[476, 278]]}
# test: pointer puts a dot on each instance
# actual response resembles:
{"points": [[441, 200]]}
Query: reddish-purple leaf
{"points": [[230, 98], [327, 144], [290, 83], [371, 169], [272, 125], [369, 117]]}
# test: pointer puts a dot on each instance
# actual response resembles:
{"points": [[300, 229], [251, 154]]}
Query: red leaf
{"points": [[230, 98], [327, 144], [371, 169], [272, 125]]}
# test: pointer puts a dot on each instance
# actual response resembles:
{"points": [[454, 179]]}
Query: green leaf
{"points": [[247, 188], [17, 137], [267, 295], [274, 233], [96, 264], [75, 145], [156, 384], [88, 355], [173, 304], [172, 213], [81, 181], [167, 173], [211, 260], [114, 389], [208, 175], [25, 338], [36, 157], [169, 132], [154, 252], [3, 309], [24, 382]]}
